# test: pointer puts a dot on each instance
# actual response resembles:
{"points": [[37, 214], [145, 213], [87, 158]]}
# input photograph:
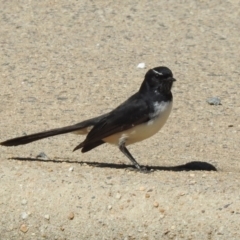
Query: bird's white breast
{"points": [[145, 130]]}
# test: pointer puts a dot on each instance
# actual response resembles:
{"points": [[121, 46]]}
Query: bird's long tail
{"points": [[49, 133]]}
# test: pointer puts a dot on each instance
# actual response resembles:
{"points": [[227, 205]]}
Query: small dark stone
{"points": [[42, 155], [214, 101]]}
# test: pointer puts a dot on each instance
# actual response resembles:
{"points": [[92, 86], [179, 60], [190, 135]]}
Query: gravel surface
{"points": [[66, 61]]}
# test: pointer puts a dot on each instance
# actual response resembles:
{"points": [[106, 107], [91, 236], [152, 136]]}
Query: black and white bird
{"points": [[139, 117]]}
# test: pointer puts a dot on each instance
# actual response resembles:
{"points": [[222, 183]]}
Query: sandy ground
{"points": [[66, 61]]}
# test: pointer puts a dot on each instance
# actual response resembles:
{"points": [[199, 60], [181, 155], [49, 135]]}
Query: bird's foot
{"points": [[145, 170], [141, 169]]}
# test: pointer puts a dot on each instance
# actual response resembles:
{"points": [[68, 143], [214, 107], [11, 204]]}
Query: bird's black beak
{"points": [[171, 79]]}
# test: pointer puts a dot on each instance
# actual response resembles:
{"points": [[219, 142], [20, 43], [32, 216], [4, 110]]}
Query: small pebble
{"points": [[147, 195], [192, 175], [161, 210], [71, 216], [220, 231], [214, 101], [141, 65], [24, 215], [192, 182], [23, 228], [118, 196], [150, 190], [71, 169], [109, 207], [47, 216], [24, 202], [42, 155], [155, 204], [142, 188]]}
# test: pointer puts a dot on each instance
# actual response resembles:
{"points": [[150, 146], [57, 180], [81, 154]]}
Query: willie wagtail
{"points": [[138, 118]]}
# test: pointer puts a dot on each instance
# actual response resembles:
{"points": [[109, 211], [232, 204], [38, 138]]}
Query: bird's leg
{"points": [[125, 151]]}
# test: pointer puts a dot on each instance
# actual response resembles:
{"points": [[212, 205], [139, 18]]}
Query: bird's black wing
{"points": [[132, 112]]}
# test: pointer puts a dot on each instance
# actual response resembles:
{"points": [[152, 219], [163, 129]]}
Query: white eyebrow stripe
{"points": [[157, 72]]}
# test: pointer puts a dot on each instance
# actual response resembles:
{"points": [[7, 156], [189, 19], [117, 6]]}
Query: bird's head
{"points": [[158, 78]]}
